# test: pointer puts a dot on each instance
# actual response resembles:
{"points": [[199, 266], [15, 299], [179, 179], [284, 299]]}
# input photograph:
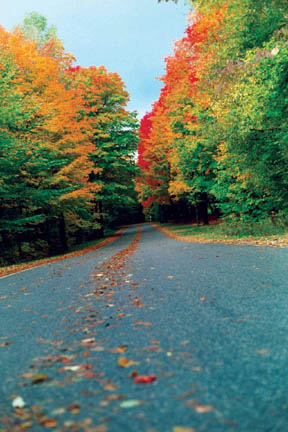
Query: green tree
{"points": [[35, 27]]}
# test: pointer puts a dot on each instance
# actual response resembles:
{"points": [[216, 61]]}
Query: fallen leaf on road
{"points": [[71, 368], [196, 368], [202, 298], [145, 379], [49, 423], [204, 409], [98, 349], [57, 342], [90, 375], [74, 408], [170, 277], [18, 402], [101, 428], [263, 351], [26, 425], [130, 403], [110, 387], [27, 375], [120, 349], [144, 323], [58, 411], [39, 378], [114, 397], [5, 344], [88, 341], [152, 348], [183, 429], [124, 362]]}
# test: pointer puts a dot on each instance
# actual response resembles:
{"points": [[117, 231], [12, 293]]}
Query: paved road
{"points": [[210, 322]]}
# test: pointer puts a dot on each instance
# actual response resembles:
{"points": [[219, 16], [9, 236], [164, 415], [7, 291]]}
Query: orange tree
{"points": [[112, 133], [45, 153]]}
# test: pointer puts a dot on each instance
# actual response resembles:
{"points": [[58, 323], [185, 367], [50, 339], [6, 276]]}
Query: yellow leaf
{"points": [[124, 362], [183, 429]]}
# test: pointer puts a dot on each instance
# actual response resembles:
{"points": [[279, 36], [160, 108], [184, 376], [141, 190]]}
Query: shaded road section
{"points": [[206, 325]]}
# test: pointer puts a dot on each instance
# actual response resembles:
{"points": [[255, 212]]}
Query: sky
{"points": [[130, 37]]}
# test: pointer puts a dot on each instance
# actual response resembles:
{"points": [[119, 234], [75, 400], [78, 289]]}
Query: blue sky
{"points": [[130, 37]]}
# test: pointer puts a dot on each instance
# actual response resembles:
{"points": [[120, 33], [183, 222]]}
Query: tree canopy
{"points": [[67, 145], [216, 139]]}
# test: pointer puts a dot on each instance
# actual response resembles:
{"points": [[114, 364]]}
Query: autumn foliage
{"points": [[215, 142], [66, 146]]}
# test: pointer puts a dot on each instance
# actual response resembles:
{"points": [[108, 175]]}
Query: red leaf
{"points": [[145, 379]]}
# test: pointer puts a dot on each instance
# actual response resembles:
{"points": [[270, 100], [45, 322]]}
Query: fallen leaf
{"points": [[120, 349], [26, 425], [98, 349], [114, 397], [27, 375], [5, 344], [110, 387], [18, 402], [144, 323], [74, 408], [183, 429], [204, 409], [263, 351], [58, 411], [49, 423], [71, 368], [65, 359], [130, 403], [39, 378], [202, 298], [152, 348], [170, 277], [124, 362], [147, 379], [90, 375], [88, 341], [101, 428], [57, 342]]}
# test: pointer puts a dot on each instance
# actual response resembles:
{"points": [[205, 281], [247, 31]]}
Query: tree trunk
{"points": [[62, 234]]}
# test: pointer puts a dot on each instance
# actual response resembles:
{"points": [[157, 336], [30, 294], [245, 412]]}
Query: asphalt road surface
{"points": [[205, 326]]}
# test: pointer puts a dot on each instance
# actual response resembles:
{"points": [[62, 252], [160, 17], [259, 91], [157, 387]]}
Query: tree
{"points": [[50, 146], [113, 136], [35, 27]]}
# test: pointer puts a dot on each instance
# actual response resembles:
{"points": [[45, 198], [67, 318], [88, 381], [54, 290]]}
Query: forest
{"points": [[215, 143]]}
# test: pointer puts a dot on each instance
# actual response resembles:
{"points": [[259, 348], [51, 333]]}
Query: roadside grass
{"points": [[264, 233], [83, 248]]}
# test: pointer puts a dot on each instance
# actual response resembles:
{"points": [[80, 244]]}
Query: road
{"points": [[205, 324]]}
